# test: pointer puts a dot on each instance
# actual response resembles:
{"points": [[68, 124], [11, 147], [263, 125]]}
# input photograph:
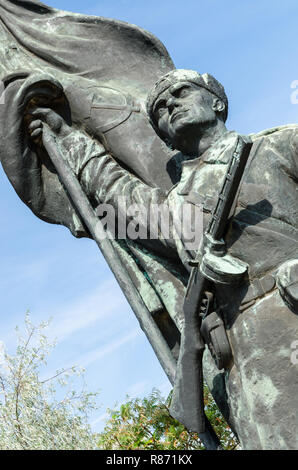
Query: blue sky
{"points": [[251, 47]]}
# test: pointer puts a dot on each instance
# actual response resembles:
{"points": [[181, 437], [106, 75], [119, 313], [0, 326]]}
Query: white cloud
{"points": [[138, 389], [99, 353], [17, 272], [83, 312]]}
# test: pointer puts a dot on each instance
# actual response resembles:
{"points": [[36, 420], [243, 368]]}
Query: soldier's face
{"points": [[183, 107]]}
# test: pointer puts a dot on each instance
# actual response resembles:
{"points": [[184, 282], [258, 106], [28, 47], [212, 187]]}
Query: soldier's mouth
{"points": [[177, 115]]}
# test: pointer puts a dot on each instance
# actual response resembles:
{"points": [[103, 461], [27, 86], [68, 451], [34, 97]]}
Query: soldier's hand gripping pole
{"points": [[187, 404]]}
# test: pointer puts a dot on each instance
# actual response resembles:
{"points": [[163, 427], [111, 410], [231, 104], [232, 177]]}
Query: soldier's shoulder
{"points": [[279, 133], [281, 138]]}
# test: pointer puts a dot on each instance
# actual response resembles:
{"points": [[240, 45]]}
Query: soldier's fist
{"points": [[39, 117]]}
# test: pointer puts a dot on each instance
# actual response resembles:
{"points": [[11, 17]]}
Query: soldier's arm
{"points": [[104, 180]]}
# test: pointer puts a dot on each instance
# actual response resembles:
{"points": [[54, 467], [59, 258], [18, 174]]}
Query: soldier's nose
{"points": [[171, 103]]}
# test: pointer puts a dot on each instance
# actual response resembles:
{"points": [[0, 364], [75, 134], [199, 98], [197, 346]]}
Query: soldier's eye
{"points": [[182, 92]]}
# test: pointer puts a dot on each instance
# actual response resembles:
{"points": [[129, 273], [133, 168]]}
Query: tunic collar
{"points": [[216, 153]]}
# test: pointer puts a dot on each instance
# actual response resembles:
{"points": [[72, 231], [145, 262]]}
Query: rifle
{"points": [[187, 404]]}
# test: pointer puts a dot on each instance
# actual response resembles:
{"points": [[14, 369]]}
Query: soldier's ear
{"points": [[218, 105]]}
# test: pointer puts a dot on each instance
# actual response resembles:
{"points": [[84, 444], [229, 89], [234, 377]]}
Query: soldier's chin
{"points": [[180, 125], [187, 129]]}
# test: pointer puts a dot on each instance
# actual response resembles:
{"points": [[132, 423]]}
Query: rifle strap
{"points": [[257, 289]]}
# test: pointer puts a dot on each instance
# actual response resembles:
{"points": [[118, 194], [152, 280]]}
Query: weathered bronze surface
{"points": [[62, 100]]}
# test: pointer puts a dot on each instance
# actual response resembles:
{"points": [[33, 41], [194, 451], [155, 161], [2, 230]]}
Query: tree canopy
{"points": [[51, 414]]}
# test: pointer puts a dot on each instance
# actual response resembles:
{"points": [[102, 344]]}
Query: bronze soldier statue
{"points": [[256, 386]]}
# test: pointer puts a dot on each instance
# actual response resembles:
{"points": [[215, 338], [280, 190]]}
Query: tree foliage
{"points": [[31, 416], [146, 424]]}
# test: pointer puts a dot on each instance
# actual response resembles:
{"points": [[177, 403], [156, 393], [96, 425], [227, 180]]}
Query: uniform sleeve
{"points": [[105, 180], [80, 148], [135, 203]]}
